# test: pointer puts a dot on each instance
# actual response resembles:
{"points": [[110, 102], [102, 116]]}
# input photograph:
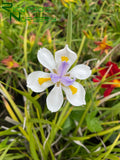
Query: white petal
{"points": [[46, 58], [55, 99], [33, 84], [67, 53], [78, 98], [80, 71]]}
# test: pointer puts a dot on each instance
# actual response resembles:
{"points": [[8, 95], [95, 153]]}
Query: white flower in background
{"points": [[61, 77]]}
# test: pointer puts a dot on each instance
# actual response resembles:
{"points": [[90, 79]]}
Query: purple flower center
{"points": [[60, 76]]}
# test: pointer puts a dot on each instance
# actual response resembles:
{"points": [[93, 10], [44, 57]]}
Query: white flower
{"points": [[61, 77]]}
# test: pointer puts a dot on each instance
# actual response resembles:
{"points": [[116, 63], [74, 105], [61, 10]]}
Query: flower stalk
{"points": [[69, 26], [25, 46], [80, 49]]}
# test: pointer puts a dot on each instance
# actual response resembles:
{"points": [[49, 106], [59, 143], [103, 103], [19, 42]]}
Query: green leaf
{"points": [[68, 125], [14, 156], [9, 131], [3, 144], [94, 125], [76, 115]]}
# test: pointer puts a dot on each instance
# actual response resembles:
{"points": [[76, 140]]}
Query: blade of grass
{"points": [[40, 146], [2, 157], [9, 110], [32, 143], [9, 131], [54, 129], [15, 118], [25, 45], [112, 146], [16, 109], [28, 96], [96, 134]]}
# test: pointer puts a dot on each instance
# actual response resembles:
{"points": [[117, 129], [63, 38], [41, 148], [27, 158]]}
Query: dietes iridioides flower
{"points": [[61, 77]]}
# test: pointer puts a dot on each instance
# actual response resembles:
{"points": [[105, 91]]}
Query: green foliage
{"points": [[68, 125], [93, 123], [89, 132]]}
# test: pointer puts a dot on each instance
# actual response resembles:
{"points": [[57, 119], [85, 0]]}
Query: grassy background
{"points": [[28, 130]]}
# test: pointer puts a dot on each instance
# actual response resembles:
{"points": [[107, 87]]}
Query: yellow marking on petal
{"points": [[73, 89], [63, 58], [117, 83], [42, 80]]}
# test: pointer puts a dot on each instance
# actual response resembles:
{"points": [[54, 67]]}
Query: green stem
{"points": [[25, 46], [69, 26], [96, 134], [80, 49]]}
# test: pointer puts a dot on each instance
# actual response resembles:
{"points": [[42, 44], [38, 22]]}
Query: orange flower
{"points": [[10, 63], [103, 46]]}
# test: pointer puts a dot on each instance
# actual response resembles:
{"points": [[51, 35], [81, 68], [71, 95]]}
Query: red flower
{"points": [[10, 63], [103, 46], [113, 71]]}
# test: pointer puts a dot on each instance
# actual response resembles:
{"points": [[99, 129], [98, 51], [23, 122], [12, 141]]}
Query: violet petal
{"points": [[54, 77], [63, 68], [67, 81]]}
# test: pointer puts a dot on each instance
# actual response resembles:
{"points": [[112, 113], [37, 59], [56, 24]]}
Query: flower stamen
{"points": [[54, 70], [58, 84]]}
